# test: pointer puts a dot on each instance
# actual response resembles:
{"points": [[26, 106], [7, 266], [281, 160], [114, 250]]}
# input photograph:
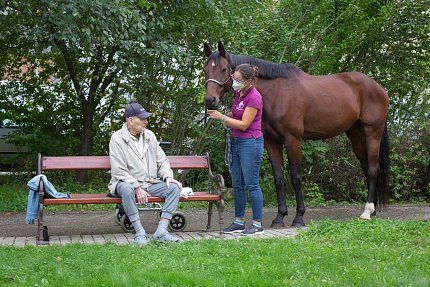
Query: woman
{"points": [[246, 148]]}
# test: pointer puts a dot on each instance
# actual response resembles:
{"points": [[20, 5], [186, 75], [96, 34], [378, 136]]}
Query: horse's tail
{"points": [[382, 185]]}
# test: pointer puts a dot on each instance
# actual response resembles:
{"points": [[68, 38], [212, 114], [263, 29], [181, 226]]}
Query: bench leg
{"points": [[42, 237], [220, 207], [208, 226]]}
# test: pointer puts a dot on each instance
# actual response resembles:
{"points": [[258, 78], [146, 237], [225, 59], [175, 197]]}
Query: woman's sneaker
{"points": [[253, 230], [234, 227]]}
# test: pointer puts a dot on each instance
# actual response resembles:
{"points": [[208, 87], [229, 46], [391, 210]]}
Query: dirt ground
{"points": [[102, 222]]}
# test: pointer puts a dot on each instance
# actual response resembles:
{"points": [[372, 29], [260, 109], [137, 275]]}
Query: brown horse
{"points": [[298, 106]]}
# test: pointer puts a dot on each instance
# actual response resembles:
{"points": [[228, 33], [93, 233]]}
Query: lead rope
{"points": [[227, 149]]}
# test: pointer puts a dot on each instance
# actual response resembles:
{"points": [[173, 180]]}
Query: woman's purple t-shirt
{"points": [[252, 99]]}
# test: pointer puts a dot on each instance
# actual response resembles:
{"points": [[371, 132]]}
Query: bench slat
{"points": [[103, 163], [188, 162], [75, 162], [104, 198]]}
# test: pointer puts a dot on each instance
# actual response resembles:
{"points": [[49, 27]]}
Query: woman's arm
{"points": [[247, 118]]}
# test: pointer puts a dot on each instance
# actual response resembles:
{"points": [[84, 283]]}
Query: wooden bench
{"points": [[46, 163]]}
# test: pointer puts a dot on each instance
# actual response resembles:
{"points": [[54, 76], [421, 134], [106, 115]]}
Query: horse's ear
{"points": [[221, 49], [207, 50]]}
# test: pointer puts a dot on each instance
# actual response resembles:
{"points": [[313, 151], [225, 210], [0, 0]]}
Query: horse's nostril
{"points": [[210, 103]]}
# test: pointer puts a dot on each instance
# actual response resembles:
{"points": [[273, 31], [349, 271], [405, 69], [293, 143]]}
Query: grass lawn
{"points": [[330, 253]]}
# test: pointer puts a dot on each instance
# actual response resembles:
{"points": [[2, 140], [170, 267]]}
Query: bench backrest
{"points": [[103, 163]]}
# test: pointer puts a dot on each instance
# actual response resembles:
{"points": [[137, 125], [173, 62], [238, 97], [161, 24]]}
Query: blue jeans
{"points": [[245, 169]]}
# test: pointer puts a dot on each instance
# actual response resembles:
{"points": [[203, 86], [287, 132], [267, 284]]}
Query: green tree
{"points": [[87, 51]]}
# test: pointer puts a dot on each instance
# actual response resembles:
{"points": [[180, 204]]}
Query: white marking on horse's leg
{"points": [[369, 208]]}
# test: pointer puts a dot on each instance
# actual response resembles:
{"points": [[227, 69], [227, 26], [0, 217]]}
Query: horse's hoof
{"points": [[298, 224], [369, 208], [365, 216], [277, 224]]}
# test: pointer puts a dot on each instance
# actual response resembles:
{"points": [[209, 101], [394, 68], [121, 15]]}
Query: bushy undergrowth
{"points": [[330, 174]]}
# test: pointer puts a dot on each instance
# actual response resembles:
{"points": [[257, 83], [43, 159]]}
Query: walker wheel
{"points": [[117, 217], [178, 222], [126, 225]]}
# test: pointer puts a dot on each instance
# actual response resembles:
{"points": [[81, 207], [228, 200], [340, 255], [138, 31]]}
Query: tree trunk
{"points": [[85, 143]]}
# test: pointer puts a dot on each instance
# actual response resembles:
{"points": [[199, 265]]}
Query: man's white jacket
{"points": [[128, 165]]}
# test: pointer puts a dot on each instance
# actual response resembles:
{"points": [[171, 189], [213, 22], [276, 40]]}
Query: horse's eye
{"points": [[224, 69]]}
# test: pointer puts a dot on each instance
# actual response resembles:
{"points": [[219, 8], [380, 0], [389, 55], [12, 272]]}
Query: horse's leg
{"points": [[274, 150], [373, 140], [294, 152], [365, 143]]}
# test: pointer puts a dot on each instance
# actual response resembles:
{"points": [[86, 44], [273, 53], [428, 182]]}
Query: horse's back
{"points": [[353, 92], [327, 105]]}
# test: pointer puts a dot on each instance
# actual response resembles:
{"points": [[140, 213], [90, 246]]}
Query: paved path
{"points": [[99, 226], [127, 238]]}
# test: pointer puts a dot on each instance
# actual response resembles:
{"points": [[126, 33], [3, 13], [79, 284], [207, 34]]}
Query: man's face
{"points": [[137, 125]]}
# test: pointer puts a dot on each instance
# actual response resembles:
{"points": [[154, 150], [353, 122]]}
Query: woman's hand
{"points": [[214, 114]]}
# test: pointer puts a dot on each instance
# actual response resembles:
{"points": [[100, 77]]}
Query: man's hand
{"points": [[169, 180], [141, 195]]}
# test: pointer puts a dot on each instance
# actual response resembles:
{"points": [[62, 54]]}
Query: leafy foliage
{"points": [[101, 54], [411, 165]]}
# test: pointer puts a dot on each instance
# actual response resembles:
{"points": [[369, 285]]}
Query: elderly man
{"points": [[139, 167]]}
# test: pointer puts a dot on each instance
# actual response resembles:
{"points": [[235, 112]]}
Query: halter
{"points": [[218, 82]]}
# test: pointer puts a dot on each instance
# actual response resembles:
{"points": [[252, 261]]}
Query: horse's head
{"points": [[217, 75]]}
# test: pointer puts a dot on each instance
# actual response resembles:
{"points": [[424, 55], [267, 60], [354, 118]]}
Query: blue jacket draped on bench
{"points": [[33, 196]]}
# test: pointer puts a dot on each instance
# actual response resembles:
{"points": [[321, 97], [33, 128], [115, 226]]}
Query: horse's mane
{"points": [[266, 69]]}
